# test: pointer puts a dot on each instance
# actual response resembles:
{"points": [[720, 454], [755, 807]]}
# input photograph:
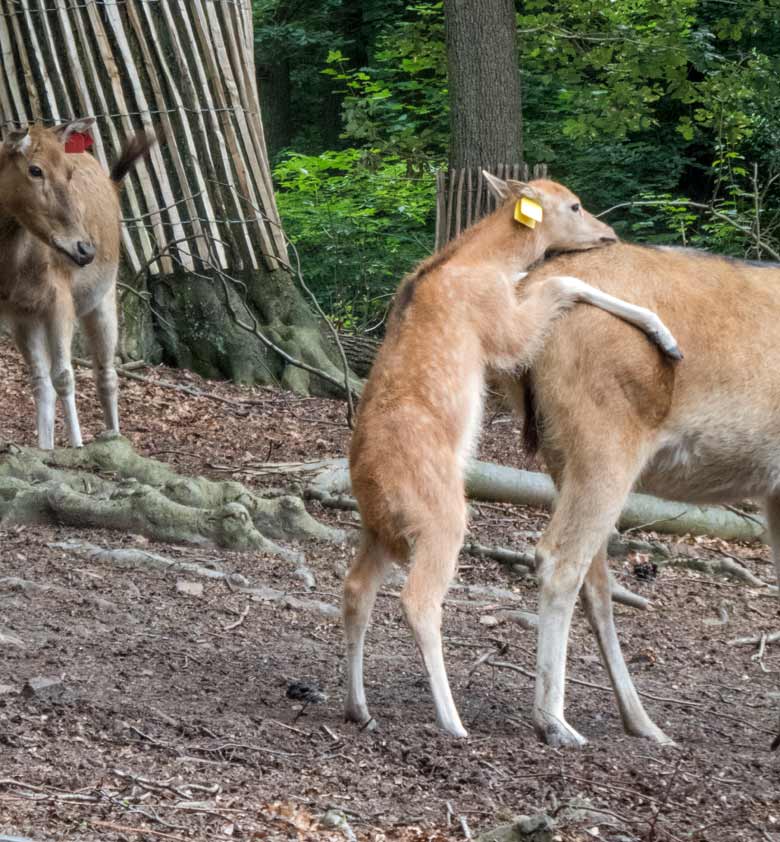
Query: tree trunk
{"points": [[202, 238], [484, 83]]}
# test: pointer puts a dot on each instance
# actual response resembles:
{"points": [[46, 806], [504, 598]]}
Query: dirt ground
{"points": [[169, 716]]}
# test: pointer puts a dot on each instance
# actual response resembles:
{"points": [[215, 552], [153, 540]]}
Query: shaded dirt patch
{"points": [[167, 719]]}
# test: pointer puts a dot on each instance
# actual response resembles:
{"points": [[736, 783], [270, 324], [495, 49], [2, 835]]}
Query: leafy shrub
{"points": [[359, 222]]}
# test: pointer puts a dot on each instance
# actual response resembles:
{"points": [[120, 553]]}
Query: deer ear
{"points": [[522, 189], [497, 186], [65, 130], [18, 141]]}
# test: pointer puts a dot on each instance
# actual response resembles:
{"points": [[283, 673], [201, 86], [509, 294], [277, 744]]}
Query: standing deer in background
{"points": [[59, 241], [708, 431], [458, 314]]}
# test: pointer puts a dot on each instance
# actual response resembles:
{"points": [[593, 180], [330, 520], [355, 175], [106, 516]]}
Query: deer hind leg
{"points": [[100, 327], [597, 602], [360, 589], [30, 337], [59, 335], [434, 559], [590, 501]]}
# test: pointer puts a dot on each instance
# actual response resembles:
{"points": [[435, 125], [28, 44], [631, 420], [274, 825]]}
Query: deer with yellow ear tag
{"points": [[457, 315]]}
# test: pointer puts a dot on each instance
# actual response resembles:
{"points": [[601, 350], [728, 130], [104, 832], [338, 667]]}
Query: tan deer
{"points": [[706, 431], [455, 316], [59, 240]]}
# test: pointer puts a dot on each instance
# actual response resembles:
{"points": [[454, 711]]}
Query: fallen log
{"points": [[488, 482]]}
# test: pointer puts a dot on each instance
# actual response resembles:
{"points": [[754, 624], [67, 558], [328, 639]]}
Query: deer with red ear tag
{"points": [[457, 315], [60, 240]]}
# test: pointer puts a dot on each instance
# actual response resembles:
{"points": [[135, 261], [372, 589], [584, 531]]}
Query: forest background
{"points": [[672, 105]]}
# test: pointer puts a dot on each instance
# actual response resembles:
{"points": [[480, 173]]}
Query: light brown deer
{"points": [[612, 416], [455, 316], [59, 240]]}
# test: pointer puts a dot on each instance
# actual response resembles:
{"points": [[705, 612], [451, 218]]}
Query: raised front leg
{"points": [[59, 336], [517, 325], [100, 327], [30, 337], [646, 320]]}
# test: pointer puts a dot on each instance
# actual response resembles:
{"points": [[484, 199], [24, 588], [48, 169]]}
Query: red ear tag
{"points": [[78, 142]]}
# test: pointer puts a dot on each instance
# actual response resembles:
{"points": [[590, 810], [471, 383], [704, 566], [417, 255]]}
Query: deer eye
{"points": [[35, 172], [576, 207]]}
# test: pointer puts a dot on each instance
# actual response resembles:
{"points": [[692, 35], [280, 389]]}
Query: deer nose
{"points": [[86, 252]]}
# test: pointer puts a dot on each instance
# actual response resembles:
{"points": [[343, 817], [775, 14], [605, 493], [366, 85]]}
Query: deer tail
{"points": [[133, 148]]}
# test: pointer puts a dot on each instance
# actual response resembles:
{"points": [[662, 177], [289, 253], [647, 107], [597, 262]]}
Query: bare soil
{"points": [[170, 717]]}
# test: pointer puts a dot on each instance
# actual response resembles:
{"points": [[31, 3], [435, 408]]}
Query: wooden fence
{"points": [[462, 196], [182, 68]]}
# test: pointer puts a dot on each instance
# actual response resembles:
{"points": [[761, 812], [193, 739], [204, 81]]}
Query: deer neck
{"points": [[499, 243]]}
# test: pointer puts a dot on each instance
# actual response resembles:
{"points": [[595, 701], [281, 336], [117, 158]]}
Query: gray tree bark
{"points": [[484, 83]]}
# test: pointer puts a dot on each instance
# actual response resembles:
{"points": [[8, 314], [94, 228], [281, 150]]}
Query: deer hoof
{"points": [[560, 735]]}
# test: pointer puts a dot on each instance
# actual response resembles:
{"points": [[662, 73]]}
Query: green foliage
{"points": [[663, 101], [399, 104], [359, 221], [654, 97]]}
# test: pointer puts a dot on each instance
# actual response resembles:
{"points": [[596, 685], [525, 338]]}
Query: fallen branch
{"points": [[757, 640], [144, 560], [238, 622], [724, 566], [527, 563]]}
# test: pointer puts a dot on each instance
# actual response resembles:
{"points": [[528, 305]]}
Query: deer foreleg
{"points": [[597, 602], [59, 335], [30, 337], [590, 502]]}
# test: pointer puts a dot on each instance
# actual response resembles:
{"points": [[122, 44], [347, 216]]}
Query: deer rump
{"points": [[610, 416]]}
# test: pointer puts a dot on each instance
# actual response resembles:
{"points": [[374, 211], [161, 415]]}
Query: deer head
{"points": [[35, 188], [560, 223]]}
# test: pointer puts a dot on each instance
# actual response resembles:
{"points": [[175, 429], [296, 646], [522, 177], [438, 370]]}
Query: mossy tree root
{"points": [[108, 485]]}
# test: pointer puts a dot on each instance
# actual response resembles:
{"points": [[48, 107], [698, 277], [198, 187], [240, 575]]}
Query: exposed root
{"points": [[107, 485]]}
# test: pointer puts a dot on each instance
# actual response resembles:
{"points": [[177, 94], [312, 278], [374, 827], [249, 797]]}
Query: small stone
{"points": [[489, 620], [7, 689], [237, 580], [336, 820], [525, 619], [306, 576], [189, 588], [538, 828], [8, 638], [41, 687], [306, 691]]}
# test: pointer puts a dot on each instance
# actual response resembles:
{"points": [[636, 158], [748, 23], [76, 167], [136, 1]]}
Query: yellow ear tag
{"points": [[528, 212]]}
